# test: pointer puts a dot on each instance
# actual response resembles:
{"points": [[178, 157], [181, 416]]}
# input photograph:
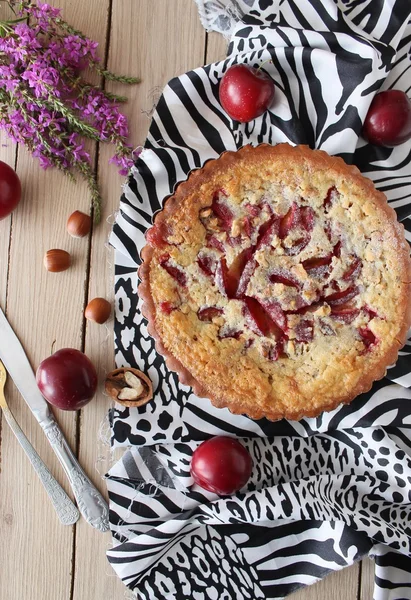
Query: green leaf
{"points": [[15, 21]]}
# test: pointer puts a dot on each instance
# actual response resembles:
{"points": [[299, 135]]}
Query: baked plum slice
{"points": [[208, 313], [304, 331], [297, 217], [353, 270], [175, 272], [318, 267], [229, 332], [344, 314], [265, 235], [258, 319], [273, 308], [267, 231], [367, 337], [370, 312], [341, 297], [207, 264], [246, 275], [285, 277], [232, 281], [332, 195], [301, 218], [228, 278], [222, 211], [167, 307], [213, 242]]}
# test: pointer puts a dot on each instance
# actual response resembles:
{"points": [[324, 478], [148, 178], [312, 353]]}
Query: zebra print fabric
{"points": [[312, 506], [324, 491]]}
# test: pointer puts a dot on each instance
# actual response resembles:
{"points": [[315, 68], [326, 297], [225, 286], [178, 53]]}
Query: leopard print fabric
{"points": [[326, 491]]}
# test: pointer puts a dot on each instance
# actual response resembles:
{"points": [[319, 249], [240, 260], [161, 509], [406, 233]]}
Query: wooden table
{"points": [[39, 558]]}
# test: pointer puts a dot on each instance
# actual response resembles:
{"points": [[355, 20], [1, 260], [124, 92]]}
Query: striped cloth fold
{"points": [[324, 491]]}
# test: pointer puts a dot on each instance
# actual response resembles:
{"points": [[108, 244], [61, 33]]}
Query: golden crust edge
{"points": [[148, 311]]}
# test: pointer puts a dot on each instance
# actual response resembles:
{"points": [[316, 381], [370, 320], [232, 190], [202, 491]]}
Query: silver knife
{"points": [[90, 502]]}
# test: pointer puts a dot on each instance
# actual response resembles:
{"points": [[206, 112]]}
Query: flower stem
{"points": [[88, 175], [46, 104], [68, 28], [79, 84], [54, 103], [82, 166], [110, 76]]}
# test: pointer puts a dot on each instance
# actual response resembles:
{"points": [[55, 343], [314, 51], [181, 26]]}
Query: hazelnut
{"points": [[98, 310], [56, 260], [129, 387], [79, 224]]}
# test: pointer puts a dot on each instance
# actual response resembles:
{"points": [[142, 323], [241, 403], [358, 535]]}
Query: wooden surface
{"points": [[39, 558]]}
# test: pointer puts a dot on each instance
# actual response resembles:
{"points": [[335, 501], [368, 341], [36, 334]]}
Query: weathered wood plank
{"points": [[367, 579], [46, 310], [341, 585], [43, 308], [155, 41], [7, 155], [216, 47]]}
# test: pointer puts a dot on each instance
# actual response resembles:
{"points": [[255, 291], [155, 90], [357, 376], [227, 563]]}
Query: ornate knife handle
{"points": [[65, 509], [90, 502]]}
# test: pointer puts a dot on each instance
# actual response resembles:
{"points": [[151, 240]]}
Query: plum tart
{"points": [[275, 282]]}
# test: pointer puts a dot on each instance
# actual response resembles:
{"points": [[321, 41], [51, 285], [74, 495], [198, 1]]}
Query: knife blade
{"points": [[14, 358], [90, 502]]}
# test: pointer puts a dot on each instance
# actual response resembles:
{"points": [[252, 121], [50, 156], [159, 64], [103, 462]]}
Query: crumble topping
{"points": [[287, 270], [280, 279]]}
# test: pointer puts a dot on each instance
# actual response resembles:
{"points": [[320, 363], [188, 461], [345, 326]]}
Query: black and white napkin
{"points": [[325, 491]]}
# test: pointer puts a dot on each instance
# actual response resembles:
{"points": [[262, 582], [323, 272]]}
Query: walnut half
{"points": [[129, 387]]}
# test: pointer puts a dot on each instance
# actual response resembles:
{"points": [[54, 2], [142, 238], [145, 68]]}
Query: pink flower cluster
{"points": [[44, 101]]}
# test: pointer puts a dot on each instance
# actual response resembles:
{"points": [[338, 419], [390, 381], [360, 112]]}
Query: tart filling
{"points": [[277, 277]]}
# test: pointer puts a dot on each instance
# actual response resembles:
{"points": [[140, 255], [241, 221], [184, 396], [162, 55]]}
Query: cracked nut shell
{"points": [[129, 387]]}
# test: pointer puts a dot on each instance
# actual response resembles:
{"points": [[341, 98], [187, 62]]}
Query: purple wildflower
{"points": [[43, 13], [9, 78], [46, 104], [77, 51], [124, 162], [45, 162], [40, 76], [47, 118], [26, 41]]}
